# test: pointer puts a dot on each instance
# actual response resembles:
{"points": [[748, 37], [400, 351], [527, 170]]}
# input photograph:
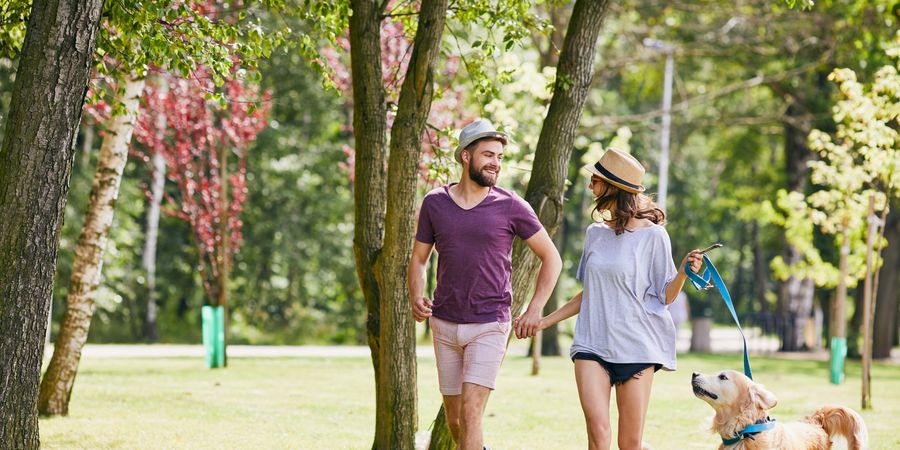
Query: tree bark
{"points": [[554, 148], [398, 341], [856, 322], [56, 387], [223, 260], [796, 293], [700, 335], [760, 270], [888, 292], [87, 142], [149, 330], [550, 336], [838, 308], [35, 166], [547, 183], [369, 125], [151, 236], [382, 247]]}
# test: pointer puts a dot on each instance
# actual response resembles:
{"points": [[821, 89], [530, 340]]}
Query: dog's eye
{"points": [[722, 376]]}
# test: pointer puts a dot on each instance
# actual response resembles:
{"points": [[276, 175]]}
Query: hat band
{"points": [[613, 177]]}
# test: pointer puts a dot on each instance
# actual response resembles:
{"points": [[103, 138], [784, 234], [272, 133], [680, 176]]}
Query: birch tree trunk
{"points": [[148, 261], [35, 165], [56, 387], [151, 234]]}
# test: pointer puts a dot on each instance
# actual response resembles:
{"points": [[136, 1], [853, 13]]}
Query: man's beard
{"points": [[479, 176]]}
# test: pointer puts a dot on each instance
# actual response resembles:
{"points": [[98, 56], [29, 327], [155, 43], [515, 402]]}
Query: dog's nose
{"points": [[694, 376]]}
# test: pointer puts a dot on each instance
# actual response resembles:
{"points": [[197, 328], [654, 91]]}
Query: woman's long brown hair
{"points": [[627, 205]]}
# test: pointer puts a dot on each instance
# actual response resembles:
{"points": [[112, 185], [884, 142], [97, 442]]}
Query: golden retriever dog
{"points": [[739, 402]]}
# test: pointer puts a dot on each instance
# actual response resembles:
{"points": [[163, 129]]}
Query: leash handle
{"points": [[702, 282]]}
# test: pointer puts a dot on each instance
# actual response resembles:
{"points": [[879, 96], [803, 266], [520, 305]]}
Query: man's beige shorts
{"points": [[468, 353]]}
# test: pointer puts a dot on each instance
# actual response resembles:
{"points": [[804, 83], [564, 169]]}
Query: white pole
{"points": [[664, 136]]}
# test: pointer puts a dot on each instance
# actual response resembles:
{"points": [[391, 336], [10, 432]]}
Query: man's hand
{"points": [[421, 308], [528, 324]]}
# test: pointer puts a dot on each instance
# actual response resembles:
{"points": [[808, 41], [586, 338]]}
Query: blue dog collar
{"points": [[750, 431]]}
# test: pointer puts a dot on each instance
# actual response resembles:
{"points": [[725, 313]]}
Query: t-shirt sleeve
{"points": [[425, 231], [584, 252], [662, 267], [523, 220]]}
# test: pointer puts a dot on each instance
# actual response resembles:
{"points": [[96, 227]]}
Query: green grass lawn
{"points": [[327, 403]]}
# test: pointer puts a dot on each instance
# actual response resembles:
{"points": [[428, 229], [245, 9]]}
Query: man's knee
{"points": [[471, 414]]}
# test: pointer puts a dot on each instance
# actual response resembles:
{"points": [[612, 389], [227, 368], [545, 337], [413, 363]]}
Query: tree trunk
{"points": [[796, 294], [430, 283], [760, 271], [148, 260], [151, 233], [87, 142], [398, 341], [35, 165], [382, 257], [369, 125], [700, 335], [550, 336], [223, 260], [56, 387], [856, 322], [839, 307], [576, 192], [547, 183], [740, 295], [549, 49], [888, 292], [554, 148]]}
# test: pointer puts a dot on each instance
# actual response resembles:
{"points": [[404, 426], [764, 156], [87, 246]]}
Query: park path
{"points": [[724, 340]]}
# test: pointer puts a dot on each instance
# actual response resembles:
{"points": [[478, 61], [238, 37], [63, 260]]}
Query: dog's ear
{"points": [[762, 397]]}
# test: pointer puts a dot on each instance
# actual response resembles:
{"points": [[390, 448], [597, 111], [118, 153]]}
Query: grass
{"points": [[328, 403]]}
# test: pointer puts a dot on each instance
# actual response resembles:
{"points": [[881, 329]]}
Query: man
{"points": [[472, 224]]}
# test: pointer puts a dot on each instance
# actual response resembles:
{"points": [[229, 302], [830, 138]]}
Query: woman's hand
{"points": [[694, 258], [527, 325]]}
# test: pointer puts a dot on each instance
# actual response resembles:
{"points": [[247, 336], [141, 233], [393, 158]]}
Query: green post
{"points": [[220, 336], [838, 354], [214, 335]]}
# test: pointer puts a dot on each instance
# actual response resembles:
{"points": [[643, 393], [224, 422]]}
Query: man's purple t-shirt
{"points": [[474, 252]]}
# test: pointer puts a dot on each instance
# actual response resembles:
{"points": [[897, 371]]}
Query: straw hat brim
{"points": [[593, 171]]}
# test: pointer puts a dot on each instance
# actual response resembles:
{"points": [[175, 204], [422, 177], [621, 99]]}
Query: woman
{"points": [[624, 332]]}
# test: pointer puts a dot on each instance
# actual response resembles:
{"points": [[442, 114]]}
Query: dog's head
{"points": [[738, 400]]}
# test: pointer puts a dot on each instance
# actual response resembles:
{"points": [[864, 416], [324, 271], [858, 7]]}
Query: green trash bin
{"points": [[838, 355], [214, 335]]}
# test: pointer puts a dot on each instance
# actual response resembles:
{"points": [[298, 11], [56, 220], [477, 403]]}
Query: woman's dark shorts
{"points": [[618, 373]]}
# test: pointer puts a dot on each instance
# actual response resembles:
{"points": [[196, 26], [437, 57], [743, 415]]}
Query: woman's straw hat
{"points": [[619, 169]]}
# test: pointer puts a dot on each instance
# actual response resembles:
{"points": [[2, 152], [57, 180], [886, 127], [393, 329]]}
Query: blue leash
{"points": [[702, 282]]}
